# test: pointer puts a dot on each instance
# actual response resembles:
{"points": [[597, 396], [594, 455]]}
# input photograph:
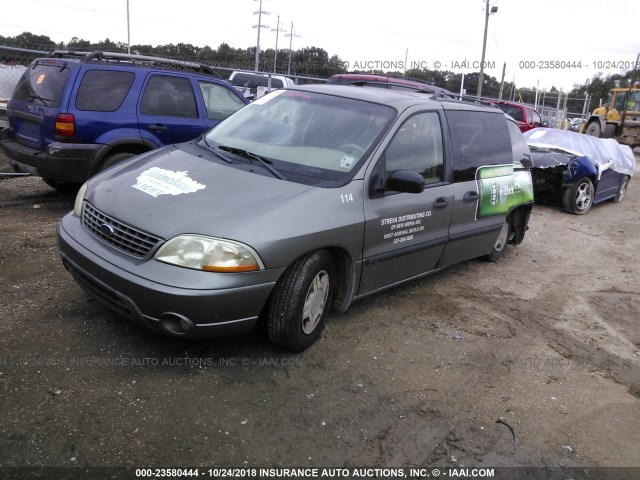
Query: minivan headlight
{"points": [[210, 254], [77, 206]]}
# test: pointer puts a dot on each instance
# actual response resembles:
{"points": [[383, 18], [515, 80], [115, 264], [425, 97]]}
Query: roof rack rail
{"points": [[428, 88], [146, 59], [464, 98]]}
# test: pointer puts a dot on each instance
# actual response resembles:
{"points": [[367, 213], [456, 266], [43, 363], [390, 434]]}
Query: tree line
{"points": [[316, 62]]}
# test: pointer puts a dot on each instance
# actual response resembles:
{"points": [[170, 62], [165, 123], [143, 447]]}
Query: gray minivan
{"points": [[308, 198]]}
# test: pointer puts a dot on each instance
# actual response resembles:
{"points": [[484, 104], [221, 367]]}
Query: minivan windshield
{"points": [[43, 83], [312, 137]]}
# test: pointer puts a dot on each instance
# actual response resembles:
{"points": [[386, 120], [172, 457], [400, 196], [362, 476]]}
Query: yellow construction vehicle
{"points": [[619, 118]]}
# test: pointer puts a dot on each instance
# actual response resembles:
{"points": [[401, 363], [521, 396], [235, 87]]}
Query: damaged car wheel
{"points": [[300, 302], [578, 198]]}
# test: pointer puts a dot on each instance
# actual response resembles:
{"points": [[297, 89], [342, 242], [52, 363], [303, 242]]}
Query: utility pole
{"points": [[128, 31], [260, 12], [290, 35], [484, 45], [275, 56], [504, 70]]}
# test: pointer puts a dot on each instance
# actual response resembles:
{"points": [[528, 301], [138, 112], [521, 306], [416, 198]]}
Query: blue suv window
{"points": [[103, 90], [220, 101], [169, 96]]}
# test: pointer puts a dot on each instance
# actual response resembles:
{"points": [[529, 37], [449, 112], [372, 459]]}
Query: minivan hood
{"points": [[179, 189]]}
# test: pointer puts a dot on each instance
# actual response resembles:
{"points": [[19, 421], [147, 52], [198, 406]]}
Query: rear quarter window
{"points": [[478, 139], [103, 90]]}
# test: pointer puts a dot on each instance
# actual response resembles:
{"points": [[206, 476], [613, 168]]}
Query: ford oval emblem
{"points": [[107, 229]]}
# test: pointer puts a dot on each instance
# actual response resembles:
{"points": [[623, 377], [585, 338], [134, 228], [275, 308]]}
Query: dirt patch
{"points": [[546, 340]]}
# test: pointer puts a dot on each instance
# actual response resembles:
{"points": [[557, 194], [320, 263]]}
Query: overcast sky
{"points": [[371, 34]]}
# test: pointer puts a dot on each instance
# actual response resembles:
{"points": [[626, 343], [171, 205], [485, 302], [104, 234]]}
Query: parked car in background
{"points": [[308, 197], [575, 124], [526, 117], [578, 170], [384, 81], [254, 85], [73, 114]]}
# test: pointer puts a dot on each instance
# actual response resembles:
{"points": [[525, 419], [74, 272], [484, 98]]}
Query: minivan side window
{"points": [[417, 147], [169, 96], [103, 90], [220, 101], [478, 138]]}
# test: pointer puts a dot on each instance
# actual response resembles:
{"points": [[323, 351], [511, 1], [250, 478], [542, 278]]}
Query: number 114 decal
{"points": [[346, 197]]}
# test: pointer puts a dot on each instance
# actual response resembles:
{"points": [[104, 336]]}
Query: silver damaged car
{"points": [[309, 198]]}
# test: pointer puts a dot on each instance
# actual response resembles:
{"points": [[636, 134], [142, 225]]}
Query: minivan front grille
{"points": [[127, 239]]}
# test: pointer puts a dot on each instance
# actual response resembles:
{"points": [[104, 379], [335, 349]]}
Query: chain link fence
{"points": [[560, 110], [15, 60], [556, 107], [13, 63]]}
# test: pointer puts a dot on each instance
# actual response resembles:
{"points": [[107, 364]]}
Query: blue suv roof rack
{"points": [[130, 58]]}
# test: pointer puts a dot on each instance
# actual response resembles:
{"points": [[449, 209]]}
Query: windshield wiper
{"points": [[252, 156], [35, 96], [208, 145]]}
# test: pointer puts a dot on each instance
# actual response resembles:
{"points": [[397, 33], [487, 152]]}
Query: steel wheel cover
{"points": [[315, 302], [501, 242]]}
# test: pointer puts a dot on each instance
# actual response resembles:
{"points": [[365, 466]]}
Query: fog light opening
{"points": [[176, 324]]}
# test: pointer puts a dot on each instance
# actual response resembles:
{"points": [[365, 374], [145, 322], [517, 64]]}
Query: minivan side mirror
{"points": [[545, 123], [405, 181]]}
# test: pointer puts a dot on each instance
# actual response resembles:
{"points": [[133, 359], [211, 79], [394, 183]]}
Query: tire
{"points": [[622, 190], [578, 198], [309, 281], [609, 131], [113, 159], [501, 243], [63, 187], [593, 129]]}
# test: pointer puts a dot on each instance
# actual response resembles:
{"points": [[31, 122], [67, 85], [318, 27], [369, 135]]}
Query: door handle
{"points": [[440, 202], [157, 127], [470, 197]]}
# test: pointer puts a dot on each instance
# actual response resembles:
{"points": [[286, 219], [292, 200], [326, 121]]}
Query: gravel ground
{"points": [[547, 339]]}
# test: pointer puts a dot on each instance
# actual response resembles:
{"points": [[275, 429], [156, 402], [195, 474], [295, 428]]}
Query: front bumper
{"points": [[164, 298], [66, 162]]}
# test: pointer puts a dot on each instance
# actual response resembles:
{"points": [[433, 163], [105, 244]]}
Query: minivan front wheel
{"points": [[301, 301]]}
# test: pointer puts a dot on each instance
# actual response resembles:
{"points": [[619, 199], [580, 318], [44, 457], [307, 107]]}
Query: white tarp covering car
{"points": [[606, 152], [580, 170]]}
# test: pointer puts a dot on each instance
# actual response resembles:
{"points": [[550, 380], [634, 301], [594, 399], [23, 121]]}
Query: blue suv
{"points": [[74, 114]]}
